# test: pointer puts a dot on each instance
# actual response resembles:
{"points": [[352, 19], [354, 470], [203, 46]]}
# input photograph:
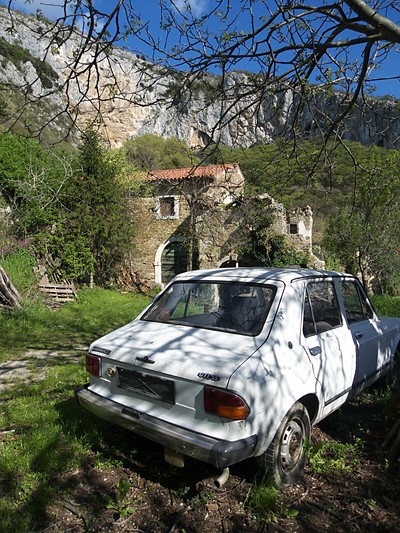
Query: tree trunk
{"points": [[9, 296]]}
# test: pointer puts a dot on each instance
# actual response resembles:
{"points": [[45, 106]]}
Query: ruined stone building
{"points": [[191, 218]]}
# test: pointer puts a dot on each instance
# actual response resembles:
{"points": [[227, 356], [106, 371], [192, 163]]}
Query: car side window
{"points": [[355, 303], [321, 309]]}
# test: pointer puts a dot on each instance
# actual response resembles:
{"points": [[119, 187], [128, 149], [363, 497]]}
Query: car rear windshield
{"points": [[234, 307]]}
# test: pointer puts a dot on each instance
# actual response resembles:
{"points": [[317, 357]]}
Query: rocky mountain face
{"points": [[43, 91]]}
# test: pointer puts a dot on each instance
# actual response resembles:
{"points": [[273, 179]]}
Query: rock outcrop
{"points": [[127, 97]]}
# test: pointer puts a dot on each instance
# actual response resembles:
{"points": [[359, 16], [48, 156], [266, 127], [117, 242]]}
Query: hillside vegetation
{"points": [[68, 205], [353, 191]]}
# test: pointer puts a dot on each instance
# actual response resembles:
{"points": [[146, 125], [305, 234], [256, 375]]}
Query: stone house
{"points": [[191, 218]]}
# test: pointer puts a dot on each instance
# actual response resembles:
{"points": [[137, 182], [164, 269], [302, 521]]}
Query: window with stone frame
{"points": [[293, 229], [167, 207]]}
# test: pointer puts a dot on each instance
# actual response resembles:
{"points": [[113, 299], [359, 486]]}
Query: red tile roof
{"points": [[185, 173]]}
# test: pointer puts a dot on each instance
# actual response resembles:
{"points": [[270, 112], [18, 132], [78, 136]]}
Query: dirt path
{"points": [[33, 365]]}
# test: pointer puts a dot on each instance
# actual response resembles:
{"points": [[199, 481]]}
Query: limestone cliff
{"points": [[137, 97]]}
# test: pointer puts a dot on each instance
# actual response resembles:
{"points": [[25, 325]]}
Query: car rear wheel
{"points": [[394, 376], [285, 458]]}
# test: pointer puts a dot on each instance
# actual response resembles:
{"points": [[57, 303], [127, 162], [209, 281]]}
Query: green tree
{"points": [[151, 152], [96, 230], [364, 233], [19, 155], [32, 183], [258, 240]]}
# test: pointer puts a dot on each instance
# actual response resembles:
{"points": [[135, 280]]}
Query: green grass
{"points": [[19, 267], [387, 305], [42, 436], [38, 327], [334, 457], [266, 503], [74, 324]]}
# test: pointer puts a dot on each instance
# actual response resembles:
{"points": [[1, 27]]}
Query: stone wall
{"points": [[200, 202], [204, 209], [299, 228], [151, 232]]}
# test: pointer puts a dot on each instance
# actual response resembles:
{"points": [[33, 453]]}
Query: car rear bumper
{"points": [[217, 452]]}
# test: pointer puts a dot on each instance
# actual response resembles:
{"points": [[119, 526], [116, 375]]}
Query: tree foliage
{"points": [[32, 181], [71, 205], [364, 235], [96, 230], [151, 152], [258, 239], [360, 200]]}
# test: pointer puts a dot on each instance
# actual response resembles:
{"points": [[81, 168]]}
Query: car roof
{"points": [[257, 274]]}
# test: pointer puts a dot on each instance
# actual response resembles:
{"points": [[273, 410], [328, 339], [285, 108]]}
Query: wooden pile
{"points": [[9, 296], [63, 292]]}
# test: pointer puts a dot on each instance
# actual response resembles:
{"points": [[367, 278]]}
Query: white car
{"points": [[229, 364]]}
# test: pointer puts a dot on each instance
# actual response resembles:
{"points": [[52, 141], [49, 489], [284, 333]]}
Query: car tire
{"points": [[392, 378], [285, 457], [394, 374]]}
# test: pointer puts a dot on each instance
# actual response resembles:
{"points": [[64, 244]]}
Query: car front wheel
{"points": [[285, 457]]}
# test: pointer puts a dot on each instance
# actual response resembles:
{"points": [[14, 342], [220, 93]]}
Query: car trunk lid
{"points": [[184, 352]]}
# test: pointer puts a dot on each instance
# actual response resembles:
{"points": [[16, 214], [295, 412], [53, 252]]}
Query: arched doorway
{"points": [[171, 259]]}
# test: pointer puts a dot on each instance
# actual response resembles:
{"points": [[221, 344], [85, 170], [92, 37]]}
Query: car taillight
{"points": [[224, 403], [93, 365]]}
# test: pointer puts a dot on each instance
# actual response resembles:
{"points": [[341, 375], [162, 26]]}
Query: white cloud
{"points": [[197, 7]]}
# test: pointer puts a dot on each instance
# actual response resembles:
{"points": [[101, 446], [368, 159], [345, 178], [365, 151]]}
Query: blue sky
{"points": [[149, 11]]}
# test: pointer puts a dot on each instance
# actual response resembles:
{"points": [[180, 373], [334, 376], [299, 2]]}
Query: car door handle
{"points": [[316, 350], [358, 335]]}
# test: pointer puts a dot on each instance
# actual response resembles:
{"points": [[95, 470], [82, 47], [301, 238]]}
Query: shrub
{"points": [[18, 262]]}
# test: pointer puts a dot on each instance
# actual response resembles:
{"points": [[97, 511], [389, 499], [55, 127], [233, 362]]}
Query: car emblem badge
{"points": [[210, 377]]}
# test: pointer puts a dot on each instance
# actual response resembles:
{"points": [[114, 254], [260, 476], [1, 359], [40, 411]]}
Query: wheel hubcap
{"points": [[291, 446]]}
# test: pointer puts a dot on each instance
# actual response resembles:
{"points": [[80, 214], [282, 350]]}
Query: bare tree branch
{"points": [[292, 51], [387, 29]]}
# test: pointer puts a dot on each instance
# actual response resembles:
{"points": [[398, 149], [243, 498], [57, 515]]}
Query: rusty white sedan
{"points": [[229, 364]]}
